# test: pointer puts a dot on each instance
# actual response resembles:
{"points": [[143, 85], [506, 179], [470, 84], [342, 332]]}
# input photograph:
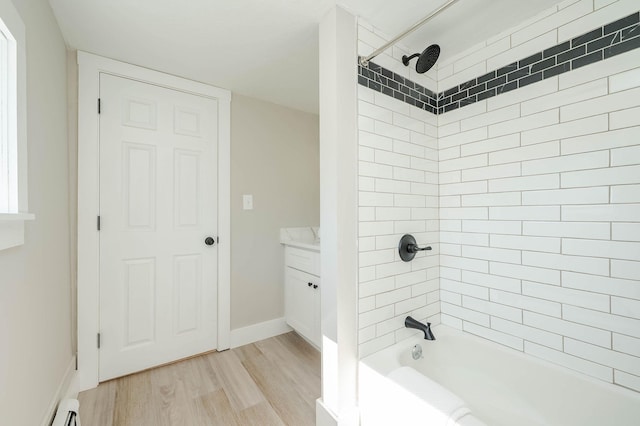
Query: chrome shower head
{"points": [[426, 59]]}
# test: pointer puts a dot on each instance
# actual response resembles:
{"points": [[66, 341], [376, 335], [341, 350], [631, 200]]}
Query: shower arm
{"points": [[364, 61]]}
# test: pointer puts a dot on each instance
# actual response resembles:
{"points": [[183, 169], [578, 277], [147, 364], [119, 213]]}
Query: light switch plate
{"points": [[247, 202]]}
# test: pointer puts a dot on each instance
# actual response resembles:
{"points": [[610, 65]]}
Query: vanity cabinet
{"points": [[302, 292]]}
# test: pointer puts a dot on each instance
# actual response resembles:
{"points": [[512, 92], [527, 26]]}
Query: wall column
{"points": [[338, 217]]}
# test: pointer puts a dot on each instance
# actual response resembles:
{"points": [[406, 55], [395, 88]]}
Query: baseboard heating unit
{"points": [[67, 414]]}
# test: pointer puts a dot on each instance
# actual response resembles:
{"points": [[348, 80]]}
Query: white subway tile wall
{"points": [[540, 203], [398, 194], [530, 200]]}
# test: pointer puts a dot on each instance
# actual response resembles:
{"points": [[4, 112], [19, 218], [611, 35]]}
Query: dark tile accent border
{"points": [[602, 43], [385, 81]]}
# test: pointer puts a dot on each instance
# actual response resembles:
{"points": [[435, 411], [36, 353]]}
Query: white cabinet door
{"points": [[317, 332], [158, 203], [299, 302]]}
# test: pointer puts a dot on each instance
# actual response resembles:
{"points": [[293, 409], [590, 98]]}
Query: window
{"points": [[13, 140], [8, 122]]}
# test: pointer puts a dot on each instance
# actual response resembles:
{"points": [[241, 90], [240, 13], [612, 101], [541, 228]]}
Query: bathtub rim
{"points": [[388, 359]]}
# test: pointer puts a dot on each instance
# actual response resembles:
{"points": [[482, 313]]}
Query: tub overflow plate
{"points": [[416, 352]]}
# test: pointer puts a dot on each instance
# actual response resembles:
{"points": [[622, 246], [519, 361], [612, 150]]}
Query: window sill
{"points": [[12, 229], [11, 217]]}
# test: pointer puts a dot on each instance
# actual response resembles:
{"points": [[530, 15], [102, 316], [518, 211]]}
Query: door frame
{"points": [[88, 274]]}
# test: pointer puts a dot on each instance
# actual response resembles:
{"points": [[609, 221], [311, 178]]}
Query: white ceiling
{"points": [[461, 26], [267, 49]]}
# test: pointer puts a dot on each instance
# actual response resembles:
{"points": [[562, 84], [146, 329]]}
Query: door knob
{"points": [[209, 241]]}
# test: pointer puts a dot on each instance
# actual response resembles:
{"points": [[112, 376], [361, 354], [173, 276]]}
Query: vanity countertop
{"points": [[307, 238]]}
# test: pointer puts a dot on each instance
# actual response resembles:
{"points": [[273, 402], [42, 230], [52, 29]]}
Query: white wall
{"points": [[35, 311], [398, 194], [275, 157], [540, 202]]}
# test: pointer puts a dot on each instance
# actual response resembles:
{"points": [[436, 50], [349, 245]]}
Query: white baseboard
{"points": [[62, 392], [324, 416], [263, 330]]}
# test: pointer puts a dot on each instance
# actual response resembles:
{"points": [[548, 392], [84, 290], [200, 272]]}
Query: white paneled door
{"points": [[158, 208]]}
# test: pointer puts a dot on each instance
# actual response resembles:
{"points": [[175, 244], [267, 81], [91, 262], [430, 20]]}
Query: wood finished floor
{"points": [[271, 382]]}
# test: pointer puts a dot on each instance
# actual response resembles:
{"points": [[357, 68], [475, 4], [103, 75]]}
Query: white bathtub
{"points": [[501, 386]]}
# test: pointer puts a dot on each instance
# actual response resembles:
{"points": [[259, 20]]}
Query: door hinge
{"points": [[98, 223], [98, 340], [99, 105], [217, 240], [76, 361]]}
